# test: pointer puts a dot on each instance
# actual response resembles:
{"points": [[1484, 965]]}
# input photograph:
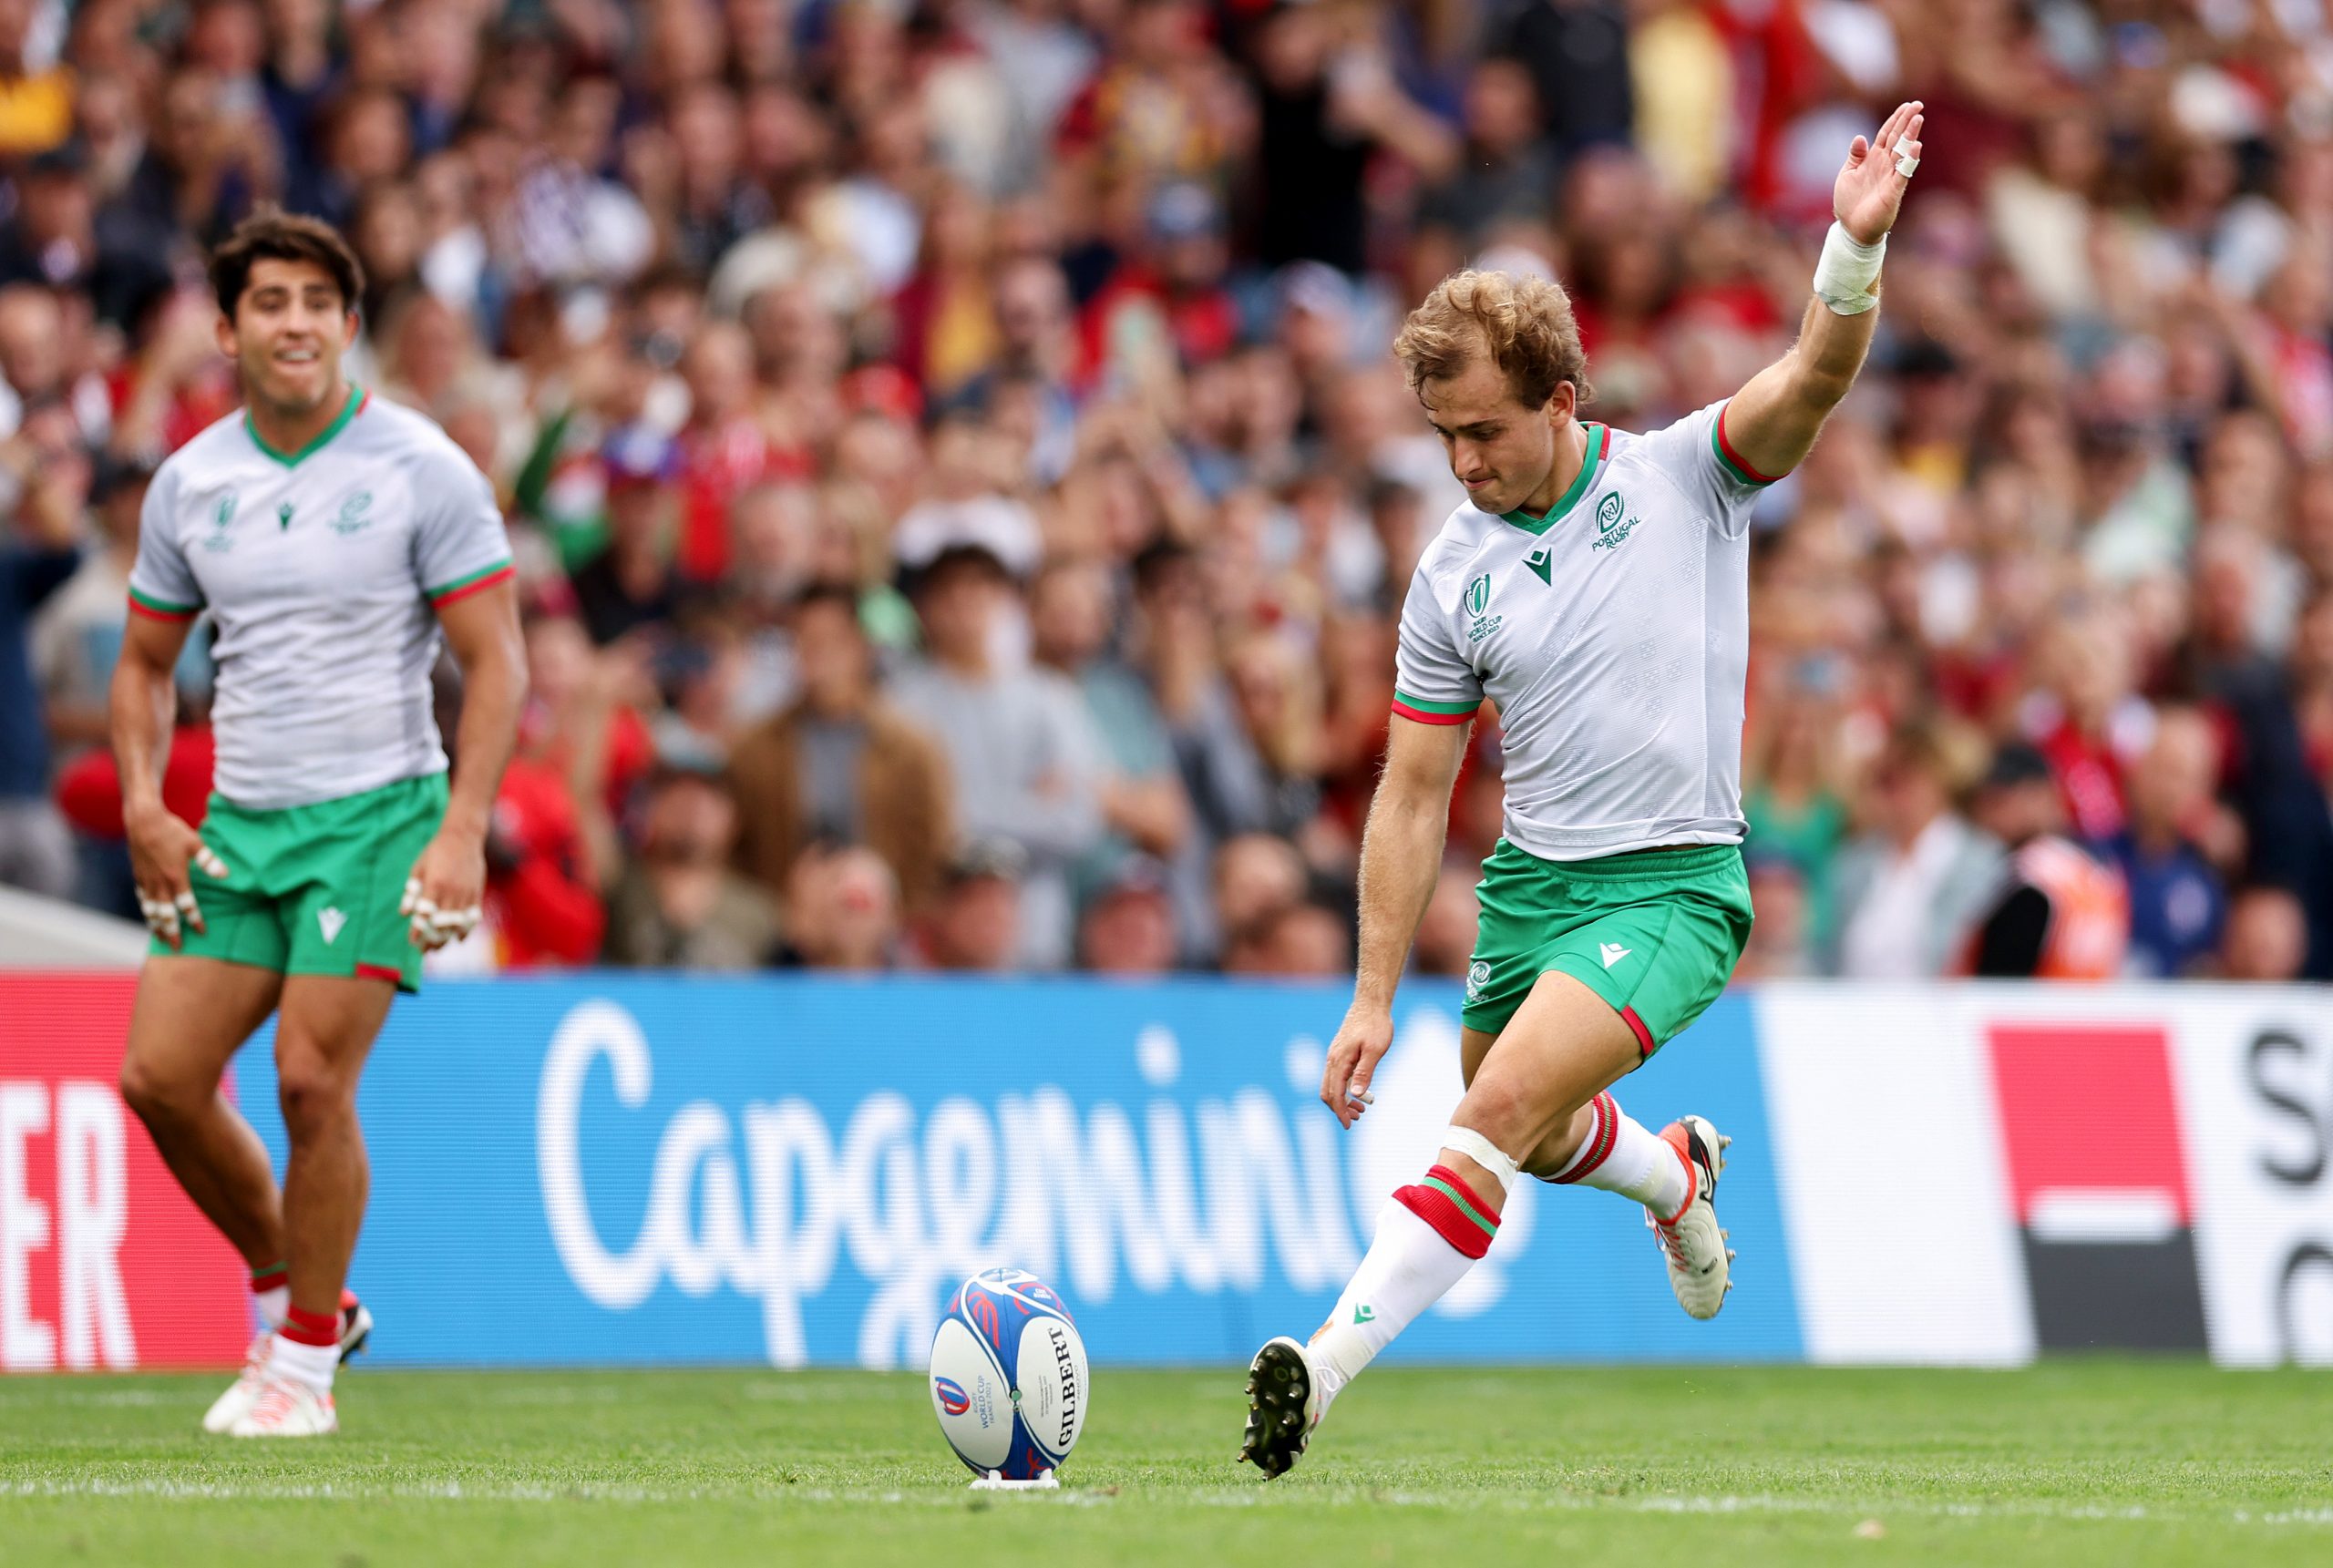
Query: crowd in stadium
{"points": [[962, 493]]}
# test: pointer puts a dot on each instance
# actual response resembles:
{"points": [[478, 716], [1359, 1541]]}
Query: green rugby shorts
{"points": [[1654, 932], [314, 889]]}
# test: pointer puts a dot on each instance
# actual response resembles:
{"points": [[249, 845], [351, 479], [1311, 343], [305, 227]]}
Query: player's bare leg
{"points": [[1562, 1048], [324, 1031], [190, 1017]]}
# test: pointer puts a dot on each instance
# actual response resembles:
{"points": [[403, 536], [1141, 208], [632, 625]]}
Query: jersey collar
{"points": [[1599, 437], [357, 398]]}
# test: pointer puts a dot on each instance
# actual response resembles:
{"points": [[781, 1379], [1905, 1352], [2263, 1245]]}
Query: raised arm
{"points": [[1771, 422], [1400, 857]]}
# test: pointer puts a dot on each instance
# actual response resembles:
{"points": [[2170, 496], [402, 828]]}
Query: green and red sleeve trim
{"points": [[479, 581], [1733, 460], [153, 609], [1425, 710]]}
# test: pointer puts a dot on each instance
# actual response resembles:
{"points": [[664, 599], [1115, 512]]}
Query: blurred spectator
{"points": [[1506, 174], [1141, 797], [63, 238], [2061, 916], [1022, 752], [1795, 783], [1298, 941], [632, 583], [2266, 936], [78, 634], [46, 481], [1909, 888], [2178, 900], [842, 765], [680, 906], [974, 924], [2283, 804], [37, 109], [543, 906], [1128, 927], [1780, 942], [842, 909]]}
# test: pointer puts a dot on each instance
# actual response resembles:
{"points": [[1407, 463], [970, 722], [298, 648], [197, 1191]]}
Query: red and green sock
{"points": [[1432, 1231], [270, 1294]]}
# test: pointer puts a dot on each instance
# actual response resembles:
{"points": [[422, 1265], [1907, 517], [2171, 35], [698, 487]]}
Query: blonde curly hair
{"points": [[1524, 323]]}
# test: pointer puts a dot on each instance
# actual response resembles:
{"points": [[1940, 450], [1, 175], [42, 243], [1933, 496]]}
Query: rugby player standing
{"points": [[1596, 586], [332, 536]]}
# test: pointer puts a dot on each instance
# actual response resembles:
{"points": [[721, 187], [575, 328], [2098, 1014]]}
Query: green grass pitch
{"points": [[2072, 1461]]}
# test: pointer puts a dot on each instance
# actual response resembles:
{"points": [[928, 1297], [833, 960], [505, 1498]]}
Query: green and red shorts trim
{"points": [[1654, 932]]}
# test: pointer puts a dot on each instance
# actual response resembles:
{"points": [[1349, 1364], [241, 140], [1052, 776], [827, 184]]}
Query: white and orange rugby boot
{"points": [[355, 1330], [1699, 1263], [287, 1408]]}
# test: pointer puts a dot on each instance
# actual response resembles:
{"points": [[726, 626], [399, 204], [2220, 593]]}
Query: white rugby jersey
{"points": [[323, 569], [1614, 635]]}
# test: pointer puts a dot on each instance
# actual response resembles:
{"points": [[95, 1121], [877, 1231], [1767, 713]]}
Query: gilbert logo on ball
{"points": [[1008, 1377]]}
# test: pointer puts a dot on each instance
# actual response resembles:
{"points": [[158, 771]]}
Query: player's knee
{"points": [[1500, 1112], [311, 1092], [158, 1094]]}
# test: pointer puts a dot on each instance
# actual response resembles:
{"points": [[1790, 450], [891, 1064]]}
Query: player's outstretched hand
{"points": [[1362, 1042], [1870, 189], [445, 894], [161, 847]]}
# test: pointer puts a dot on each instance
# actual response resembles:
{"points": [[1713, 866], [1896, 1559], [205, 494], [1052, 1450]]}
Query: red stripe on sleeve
{"points": [[164, 616], [1423, 717], [378, 972], [480, 586], [1735, 457]]}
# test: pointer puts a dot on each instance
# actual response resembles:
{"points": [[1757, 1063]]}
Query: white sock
{"points": [[270, 1304], [311, 1364], [1621, 1155], [1408, 1269]]}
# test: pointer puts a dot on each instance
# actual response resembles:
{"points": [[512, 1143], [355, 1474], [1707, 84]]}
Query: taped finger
{"points": [[212, 866], [1361, 1097], [412, 892], [1906, 163]]}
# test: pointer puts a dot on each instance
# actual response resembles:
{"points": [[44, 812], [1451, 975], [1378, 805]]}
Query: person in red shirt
{"points": [[723, 446]]}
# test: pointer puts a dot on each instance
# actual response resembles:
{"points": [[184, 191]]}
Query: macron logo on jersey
{"points": [[330, 920], [1611, 952]]}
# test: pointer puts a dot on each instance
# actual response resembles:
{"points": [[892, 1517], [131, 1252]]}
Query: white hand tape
{"points": [[1905, 164]]}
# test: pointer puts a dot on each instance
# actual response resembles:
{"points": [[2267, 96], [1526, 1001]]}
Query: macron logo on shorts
{"points": [[1612, 952], [330, 920]]}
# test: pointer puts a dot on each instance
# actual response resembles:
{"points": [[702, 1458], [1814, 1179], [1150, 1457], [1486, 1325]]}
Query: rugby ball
{"points": [[1008, 1381]]}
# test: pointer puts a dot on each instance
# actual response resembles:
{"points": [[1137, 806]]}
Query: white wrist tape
{"points": [[1844, 276], [1484, 1153]]}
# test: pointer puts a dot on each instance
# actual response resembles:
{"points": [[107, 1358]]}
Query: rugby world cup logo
{"points": [[952, 1398], [1478, 595]]}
